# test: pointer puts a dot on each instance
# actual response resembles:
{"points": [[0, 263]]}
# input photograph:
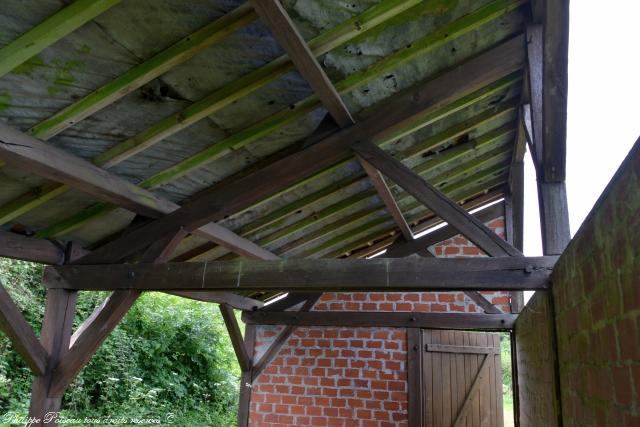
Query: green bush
{"points": [[168, 355]]}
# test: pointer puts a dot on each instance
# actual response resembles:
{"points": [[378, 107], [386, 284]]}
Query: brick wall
{"points": [[352, 376], [596, 293], [535, 358]]}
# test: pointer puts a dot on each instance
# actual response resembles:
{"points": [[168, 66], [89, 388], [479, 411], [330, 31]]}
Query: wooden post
{"points": [[244, 403], [55, 337]]}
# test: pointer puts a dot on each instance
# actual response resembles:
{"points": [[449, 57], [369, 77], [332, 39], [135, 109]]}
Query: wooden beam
{"points": [[26, 248], [439, 203], [50, 162], [89, 338], [50, 31], [407, 109], [55, 337], [415, 412], [284, 30], [554, 17], [535, 59], [312, 275], [244, 398], [554, 217], [294, 298], [244, 360], [229, 298], [387, 197], [348, 29], [403, 248], [181, 51], [21, 334], [357, 319], [280, 340]]}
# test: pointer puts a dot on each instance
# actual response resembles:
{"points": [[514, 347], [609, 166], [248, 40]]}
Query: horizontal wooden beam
{"points": [[406, 110], [21, 334], [409, 274], [381, 319], [25, 152], [26, 248]]}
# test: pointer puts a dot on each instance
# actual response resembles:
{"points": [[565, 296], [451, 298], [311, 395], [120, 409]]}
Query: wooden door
{"points": [[462, 379]]}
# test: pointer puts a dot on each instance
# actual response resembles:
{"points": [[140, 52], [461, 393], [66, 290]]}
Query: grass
{"points": [[507, 407]]}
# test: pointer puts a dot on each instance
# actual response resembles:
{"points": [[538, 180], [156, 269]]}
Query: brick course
{"points": [[352, 376]]}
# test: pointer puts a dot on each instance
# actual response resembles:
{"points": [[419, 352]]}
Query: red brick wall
{"points": [[351, 376], [596, 296]]}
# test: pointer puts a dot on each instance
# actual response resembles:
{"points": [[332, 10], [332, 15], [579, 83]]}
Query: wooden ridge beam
{"points": [[50, 31], [449, 211], [285, 32], [312, 275], [21, 334], [426, 98], [357, 319], [21, 150], [341, 34]]}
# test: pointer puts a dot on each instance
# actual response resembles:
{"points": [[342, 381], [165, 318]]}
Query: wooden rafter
{"points": [[203, 108], [427, 97], [449, 211], [358, 319], [284, 30], [312, 275], [50, 31], [143, 73], [53, 163], [227, 298], [337, 36]]}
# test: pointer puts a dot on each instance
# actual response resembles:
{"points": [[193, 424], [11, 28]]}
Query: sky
{"points": [[603, 110]]}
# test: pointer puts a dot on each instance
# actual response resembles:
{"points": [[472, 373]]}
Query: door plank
{"points": [[475, 386]]}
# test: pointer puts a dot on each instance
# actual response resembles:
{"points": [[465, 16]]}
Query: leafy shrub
{"points": [[168, 355]]}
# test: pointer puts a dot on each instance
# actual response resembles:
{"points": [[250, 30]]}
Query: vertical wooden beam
{"points": [[244, 403], [535, 58], [414, 370], [554, 217], [236, 337], [89, 338], [21, 334], [55, 337]]}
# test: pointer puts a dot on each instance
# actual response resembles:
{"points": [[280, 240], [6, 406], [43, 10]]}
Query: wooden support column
{"points": [[414, 368], [55, 338], [244, 403]]}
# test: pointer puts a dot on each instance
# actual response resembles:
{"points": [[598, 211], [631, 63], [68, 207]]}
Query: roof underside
{"points": [[202, 123]]}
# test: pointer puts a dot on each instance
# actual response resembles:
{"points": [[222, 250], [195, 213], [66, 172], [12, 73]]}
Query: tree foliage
{"points": [[168, 355]]}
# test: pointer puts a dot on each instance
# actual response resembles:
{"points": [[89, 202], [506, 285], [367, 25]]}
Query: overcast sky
{"points": [[604, 106]]}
